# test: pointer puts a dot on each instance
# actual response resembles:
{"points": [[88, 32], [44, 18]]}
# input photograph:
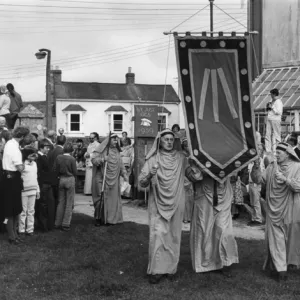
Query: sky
{"points": [[96, 41]]}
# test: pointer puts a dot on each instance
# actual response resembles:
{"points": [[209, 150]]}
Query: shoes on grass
{"points": [[29, 233], [154, 279], [226, 272], [14, 242], [254, 223], [65, 228]]}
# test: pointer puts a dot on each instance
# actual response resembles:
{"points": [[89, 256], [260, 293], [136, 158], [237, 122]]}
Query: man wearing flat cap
{"points": [[282, 181]]}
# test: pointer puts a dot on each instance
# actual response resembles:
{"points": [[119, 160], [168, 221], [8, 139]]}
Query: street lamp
{"points": [[41, 55]]}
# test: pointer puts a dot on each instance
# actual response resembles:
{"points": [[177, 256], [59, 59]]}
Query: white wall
{"points": [[281, 39], [96, 119]]}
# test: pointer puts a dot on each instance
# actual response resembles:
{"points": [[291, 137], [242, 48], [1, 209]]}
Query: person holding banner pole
{"points": [[213, 246]]}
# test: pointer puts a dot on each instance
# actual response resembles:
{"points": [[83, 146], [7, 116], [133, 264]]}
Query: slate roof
{"points": [[40, 105], [116, 108], [286, 80], [163, 110], [115, 92], [30, 111], [74, 107]]}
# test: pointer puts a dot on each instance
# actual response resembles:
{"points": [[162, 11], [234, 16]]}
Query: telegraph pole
{"points": [[211, 4]]}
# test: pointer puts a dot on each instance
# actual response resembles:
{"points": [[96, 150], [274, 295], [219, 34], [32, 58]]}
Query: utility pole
{"points": [[211, 4], [40, 55]]}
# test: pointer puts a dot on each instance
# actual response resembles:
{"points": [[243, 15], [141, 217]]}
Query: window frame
{"points": [[167, 119], [111, 124], [69, 113]]}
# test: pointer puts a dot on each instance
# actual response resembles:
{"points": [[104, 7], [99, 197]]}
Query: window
{"points": [[162, 121], [75, 122], [117, 122]]}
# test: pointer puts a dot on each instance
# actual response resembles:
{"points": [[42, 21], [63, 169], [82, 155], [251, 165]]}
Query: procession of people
{"points": [[38, 179]]}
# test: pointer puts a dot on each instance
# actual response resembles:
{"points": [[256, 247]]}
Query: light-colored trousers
{"points": [[273, 135], [66, 194], [26, 218], [254, 193]]}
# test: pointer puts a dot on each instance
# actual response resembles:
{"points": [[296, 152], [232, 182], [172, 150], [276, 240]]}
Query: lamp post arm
{"points": [[45, 50]]}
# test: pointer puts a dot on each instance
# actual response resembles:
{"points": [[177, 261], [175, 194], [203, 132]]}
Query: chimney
{"points": [[56, 75], [130, 77]]}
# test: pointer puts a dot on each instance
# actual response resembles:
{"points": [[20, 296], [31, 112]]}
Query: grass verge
{"points": [[110, 263]]}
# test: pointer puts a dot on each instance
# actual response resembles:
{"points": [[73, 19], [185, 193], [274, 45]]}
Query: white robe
{"points": [[282, 215], [166, 207], [212, 242]]}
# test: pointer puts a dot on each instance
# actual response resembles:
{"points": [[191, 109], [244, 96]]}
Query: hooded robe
{"points": [[212, 242], [282, 212], [165, 206], [112, 205]]}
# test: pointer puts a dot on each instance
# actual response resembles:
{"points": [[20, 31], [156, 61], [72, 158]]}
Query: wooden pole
{"points": [[296, 120]]}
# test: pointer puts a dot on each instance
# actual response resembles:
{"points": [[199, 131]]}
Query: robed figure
{"points": [[282, 182], [88, 164], [110, 211], [213, 246], [164, 171]]}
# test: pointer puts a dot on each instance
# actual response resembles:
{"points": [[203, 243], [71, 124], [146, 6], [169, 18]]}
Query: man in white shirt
{"points": [[273, 130], [12, 183]]}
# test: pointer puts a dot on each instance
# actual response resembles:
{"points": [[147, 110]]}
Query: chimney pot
{"points": [[130, 77], [56, 73]]}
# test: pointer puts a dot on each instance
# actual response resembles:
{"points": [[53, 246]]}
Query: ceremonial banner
{"points": [[146, 120], [217, 102]]}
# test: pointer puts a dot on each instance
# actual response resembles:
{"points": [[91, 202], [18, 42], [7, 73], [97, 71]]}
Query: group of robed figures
{"points": [[212, 242]]}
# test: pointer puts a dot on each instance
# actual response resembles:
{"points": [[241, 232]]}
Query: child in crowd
{"points": [[65, 167], [30, 193]]}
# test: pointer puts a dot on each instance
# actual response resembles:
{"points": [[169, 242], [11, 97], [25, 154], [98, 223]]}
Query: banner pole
{"points": [[211, 4]]}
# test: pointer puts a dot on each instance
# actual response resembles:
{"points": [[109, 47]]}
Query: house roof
{"points": [[286, 80], [74, 107], [116, 108], [115, 92], [30, 111], [162, 109], [40, 105]]}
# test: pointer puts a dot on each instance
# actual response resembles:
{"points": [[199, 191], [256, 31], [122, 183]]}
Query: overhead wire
{"points": [[79, 30], [99, 8], [131, 3], [96, 59], [90, 13], [104, 61], [91, 59], [184, 21], [228, 15], [92, 54], [174, 27]]}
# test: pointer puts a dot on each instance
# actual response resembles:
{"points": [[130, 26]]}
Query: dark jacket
{"points": [[52, 155], [45, 174]]}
